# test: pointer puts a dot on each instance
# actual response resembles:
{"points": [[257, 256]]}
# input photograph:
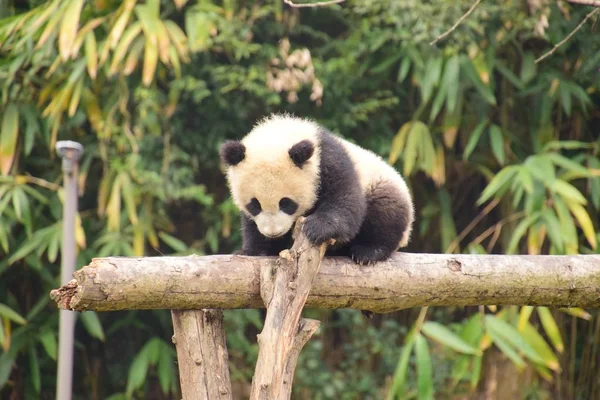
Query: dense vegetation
{"points": [[502, 155]]}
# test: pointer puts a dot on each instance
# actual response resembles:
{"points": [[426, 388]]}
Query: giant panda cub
{"points": [[288, 167]]}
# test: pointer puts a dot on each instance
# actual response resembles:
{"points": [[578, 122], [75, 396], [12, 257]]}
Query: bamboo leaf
{"points": [[50, 26], [34, 370], [541, 168], [164, 43], [91, 54], [178, 39], [535, 340], [9, 313], [113, 208], [526, 179], [424, 373], [411, 150], [569, 165], [584, 221], [137, 372], [566, 144], [83, 32], [128, 197], [476, 374], [497, 183], [577, 312], [508, 351], [431, 78], [484, 90], [401, 373], [524, 317], [497, 142], [568, 191], [49, 342], [68, 28], [551, 328], [9, 136], [398, 142], [567, 226], [165, 369], [134, 56], [506, 331], [173, 242], [120, 23], [150, 62], [75, 97], [92, 324], [130, 34], [3, 342], [445, 336], [451, 76], [554, 229], [520, 232], [474, 138]]}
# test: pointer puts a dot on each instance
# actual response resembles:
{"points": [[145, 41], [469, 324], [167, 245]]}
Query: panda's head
{"points": [[273, 172]]}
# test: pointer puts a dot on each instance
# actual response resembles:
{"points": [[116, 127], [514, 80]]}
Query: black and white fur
{"points": [[288, 167]]}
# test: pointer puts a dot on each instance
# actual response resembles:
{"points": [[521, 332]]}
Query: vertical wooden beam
{"points": [[201, 354], [284, 290]]}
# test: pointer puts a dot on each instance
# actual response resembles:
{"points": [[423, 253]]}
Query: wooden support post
{"points": [[201, 354], [284, 290]]}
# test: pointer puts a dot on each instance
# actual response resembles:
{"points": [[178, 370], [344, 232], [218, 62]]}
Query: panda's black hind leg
{"points": [[386, 220]]}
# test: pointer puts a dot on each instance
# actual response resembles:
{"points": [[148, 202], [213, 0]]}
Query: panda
{"points": [[287, 167]]}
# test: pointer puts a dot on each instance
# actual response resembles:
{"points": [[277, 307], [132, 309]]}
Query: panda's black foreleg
{"points": [[255, 244], [341, 207], [386, 220]]}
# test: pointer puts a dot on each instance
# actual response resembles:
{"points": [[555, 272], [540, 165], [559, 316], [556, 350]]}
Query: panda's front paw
{"points": [[368, 255], [318, 229]]}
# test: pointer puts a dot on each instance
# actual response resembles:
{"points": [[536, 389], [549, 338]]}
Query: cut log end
{"points": [[64, 294]]}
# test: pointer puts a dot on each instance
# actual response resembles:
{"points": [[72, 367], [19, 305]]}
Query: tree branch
{"points": [[284, 291], [201, 354], [570, 35], [304, 5], [594, 3], [456, 24], [406, 280]]}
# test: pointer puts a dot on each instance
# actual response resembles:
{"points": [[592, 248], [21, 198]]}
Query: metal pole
{"points": [[69, 152]]}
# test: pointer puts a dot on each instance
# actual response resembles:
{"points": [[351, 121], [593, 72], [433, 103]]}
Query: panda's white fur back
{"points": [[372, 170], [268, 166]]}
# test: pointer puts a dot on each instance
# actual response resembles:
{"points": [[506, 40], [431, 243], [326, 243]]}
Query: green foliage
{"points": [[502, 156]]}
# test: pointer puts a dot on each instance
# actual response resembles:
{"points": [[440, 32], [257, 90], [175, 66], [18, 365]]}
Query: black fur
{"points": [[368, 229], [254, 207], [341, 206], [383, 226], [288, 206], [301, 152], [232, 152]]}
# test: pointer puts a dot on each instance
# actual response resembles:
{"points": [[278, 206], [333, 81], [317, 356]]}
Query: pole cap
{"points": [[69, 149]]}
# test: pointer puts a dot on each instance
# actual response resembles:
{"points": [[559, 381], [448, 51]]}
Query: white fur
{"points": [[372, 170], [268, 173]]}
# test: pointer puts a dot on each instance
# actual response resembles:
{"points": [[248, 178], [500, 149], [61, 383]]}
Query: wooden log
{"points": [[201, 354], [404, 281], [284, 290]]}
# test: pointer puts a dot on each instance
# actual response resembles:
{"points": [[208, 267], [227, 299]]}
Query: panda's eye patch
{"points": [[254, 207], [288, 205]]}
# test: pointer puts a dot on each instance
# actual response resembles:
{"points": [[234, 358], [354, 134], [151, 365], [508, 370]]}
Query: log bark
{"points": [[201, 354], [404, 281], [284, 290]]}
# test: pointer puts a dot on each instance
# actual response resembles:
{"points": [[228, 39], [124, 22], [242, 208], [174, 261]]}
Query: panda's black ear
{"points": [[301, 152], [232, 152]]}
